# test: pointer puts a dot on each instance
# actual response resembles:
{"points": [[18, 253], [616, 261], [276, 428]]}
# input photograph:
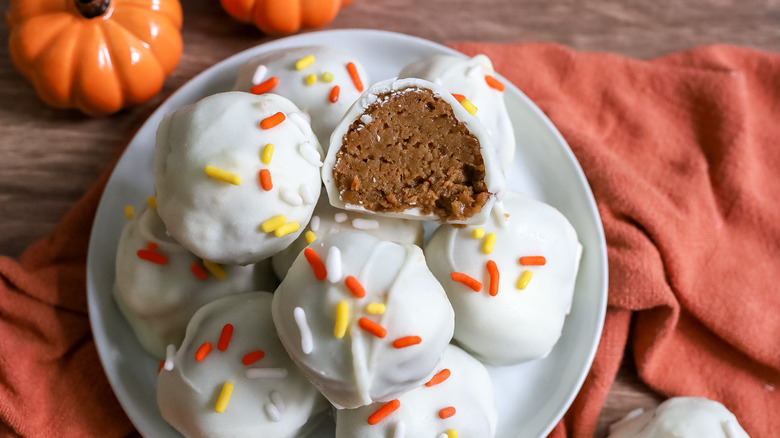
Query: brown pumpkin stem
{"points": [[92, 8]]}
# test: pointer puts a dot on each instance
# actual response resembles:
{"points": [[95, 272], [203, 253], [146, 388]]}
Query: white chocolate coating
{"points": [[466, 76], [468, 389], [314, 99], [217, 220], [280, 403], [331, 220], [494, 175], [159, 300], [688, 417], [361, 368], [515, 325]]}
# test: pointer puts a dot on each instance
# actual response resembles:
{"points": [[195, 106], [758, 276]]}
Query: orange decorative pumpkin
{"points": [[95, 55], [284, 16]]}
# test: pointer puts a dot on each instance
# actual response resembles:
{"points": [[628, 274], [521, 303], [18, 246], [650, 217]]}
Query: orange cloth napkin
{"points": [[683, 154]]}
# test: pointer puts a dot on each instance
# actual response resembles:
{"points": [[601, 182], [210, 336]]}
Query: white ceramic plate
{"points": [[531, 397]]}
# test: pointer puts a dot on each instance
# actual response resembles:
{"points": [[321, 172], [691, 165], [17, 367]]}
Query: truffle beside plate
{"points": [[531, 397]]}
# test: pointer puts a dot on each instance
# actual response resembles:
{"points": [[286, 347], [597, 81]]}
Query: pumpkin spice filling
{"points": [[408, 150]]}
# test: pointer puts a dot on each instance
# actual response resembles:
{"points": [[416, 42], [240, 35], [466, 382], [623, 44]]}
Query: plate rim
{"points": [[93, 309]]}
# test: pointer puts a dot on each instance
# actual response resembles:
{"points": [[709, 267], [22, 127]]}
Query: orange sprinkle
{"points": [[159, 367], [152, 257], [458, 97], [266, 86], [468, 281], [439, 377], [533, 261], [272, 121], [252, 357], [265, 179], [447, 412], [493, 271], [355, 287], [494, 83], [198, 272], [316, 263], [353, 73], [224, 337], [380, 414], [151, 246], [203, 350], [407, 341], [372, 327], [334, 94]]}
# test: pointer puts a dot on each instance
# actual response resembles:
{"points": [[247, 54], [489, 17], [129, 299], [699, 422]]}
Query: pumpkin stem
{"points": [[92, 8]]}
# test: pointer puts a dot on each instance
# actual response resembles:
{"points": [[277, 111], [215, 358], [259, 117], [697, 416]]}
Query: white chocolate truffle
{"points": [[474, 79], [523, 321], [330, 220], [159, 289], [219, 183], [246, 374], [363, 318], [460, 391], [431, 142], [311, 88], [688, 417]]}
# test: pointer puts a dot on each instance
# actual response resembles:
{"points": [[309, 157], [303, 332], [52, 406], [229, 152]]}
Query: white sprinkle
{"points": [[340, 217], [365, 118], [300, 118], [290, 197], [333, 264], [769, 387], [266, 373], [400, 430], [378, 138], [730, 429], [315, 223], [307, 195], [310, 154], [365, 224], [500, 213], [444, 435], [307, 344], [170, 351], [278, 401], [474, 70], [259, 74], [273, 413]]}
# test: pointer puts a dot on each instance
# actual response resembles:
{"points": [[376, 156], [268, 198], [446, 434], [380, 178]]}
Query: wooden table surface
{"points": [[50, 157]]}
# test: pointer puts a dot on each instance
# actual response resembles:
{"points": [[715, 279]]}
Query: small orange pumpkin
{"points": [[95, 55], [284, 16]]}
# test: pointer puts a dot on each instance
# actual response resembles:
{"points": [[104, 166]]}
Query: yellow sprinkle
{"points": [[327, 77], [273, 223], [224, 398], [490, 240], [129, 211], [304, 62], [469, 106], [268, 152], [311, 79], [375, 308], [310, 237], [216, 269], [223, 175], [452, 433], [152, 202], [342, 318], [478, 233], [525, 277], [286, 229]]}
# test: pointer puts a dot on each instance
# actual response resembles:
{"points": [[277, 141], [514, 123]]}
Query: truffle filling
{"points": [[408, 151]]}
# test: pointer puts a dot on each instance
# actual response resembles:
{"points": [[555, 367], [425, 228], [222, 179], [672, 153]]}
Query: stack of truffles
{"points": [[365, 321]]}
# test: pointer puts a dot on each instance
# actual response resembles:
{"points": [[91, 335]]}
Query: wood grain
{"points": [[50, 157]]}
